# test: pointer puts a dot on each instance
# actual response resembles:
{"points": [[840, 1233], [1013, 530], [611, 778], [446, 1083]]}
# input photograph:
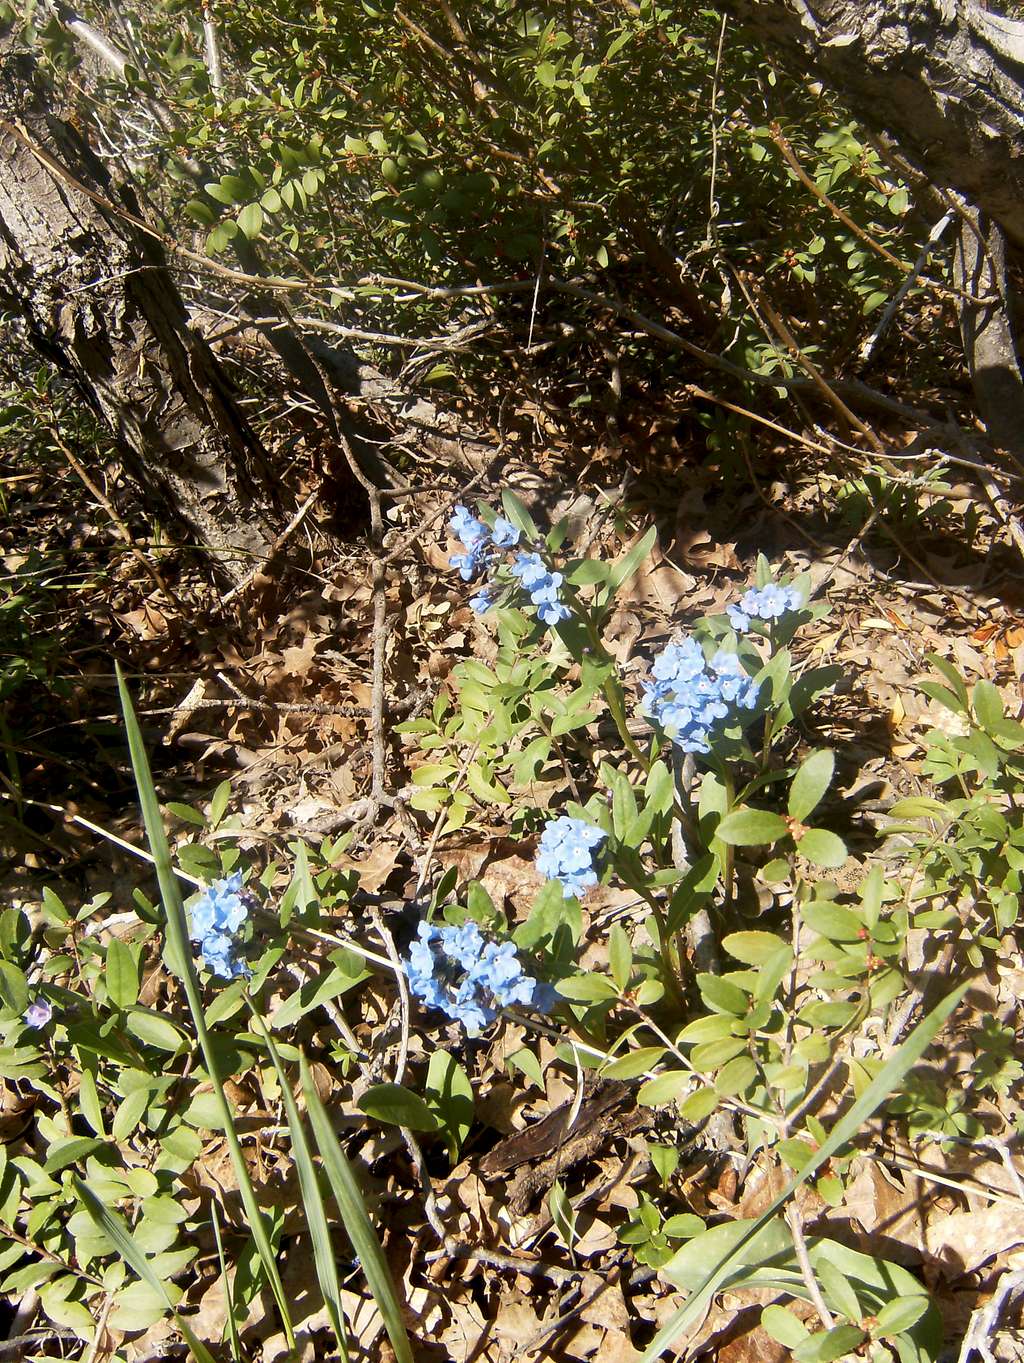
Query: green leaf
{"points": [[450, 1094], [882, 1086], [952, 676], [838, 1290], [829, 1345], [587, 572], [753, 948], [587, 989], [699, 1105], [620, 955], [89, 1102], [324, 1256], [783, 1326], [122, 975], [624, 568], [810, 783], [751, 827], [823, 848], [634, 1063], [517, 513], [219, 803], [187, 813], [72, 1151], [398, 1106], [234, 186], [14, 990], [722, 995], [665, 1088], [200, 211], [355, 1219], [833, 922], [527, 1063], [736, 1077], [900, 1314], [562, 1214], [988, 704], [114, 1228], [154, 1030]]}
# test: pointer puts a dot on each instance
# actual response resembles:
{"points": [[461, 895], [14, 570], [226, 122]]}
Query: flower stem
{"points": [[612, 693]]}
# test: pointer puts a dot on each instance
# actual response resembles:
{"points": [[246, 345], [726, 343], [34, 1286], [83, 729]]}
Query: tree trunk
{"points": [[95, 294], [944, 78]]}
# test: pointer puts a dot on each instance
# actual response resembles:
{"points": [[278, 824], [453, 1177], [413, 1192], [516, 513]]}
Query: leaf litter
{"points": [[284, 706]]}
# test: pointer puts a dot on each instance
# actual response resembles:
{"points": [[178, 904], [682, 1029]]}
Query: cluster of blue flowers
{"points": [[217, 916], [454, 970], [566, 854], [690, 695], [763, 603], [543, 585], [534, 576], [479, 541]]}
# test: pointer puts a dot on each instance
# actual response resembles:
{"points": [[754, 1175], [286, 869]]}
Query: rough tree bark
{"points": [[943, 78], [96, 297], [943, 82]]}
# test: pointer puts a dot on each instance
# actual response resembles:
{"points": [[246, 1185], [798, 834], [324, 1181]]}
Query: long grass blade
{"points": [[229, 1296], [179, 956], [312, 1201], [883, 1084], [355, 1219], [114, 1228]]}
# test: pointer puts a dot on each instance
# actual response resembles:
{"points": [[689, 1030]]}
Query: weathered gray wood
{"points": [[96, 297]]}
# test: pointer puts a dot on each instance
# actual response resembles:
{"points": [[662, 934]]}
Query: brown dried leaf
{"points": [[966, 1240]]}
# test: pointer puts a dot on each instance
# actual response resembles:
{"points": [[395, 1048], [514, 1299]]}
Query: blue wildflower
{"points": [[763, 603], [543, 587], [505, 535], [217, 916], [465, 526], [689, 695], [483, 601], [566, 854], [454, 970], [476, 537], [38, 1013]]}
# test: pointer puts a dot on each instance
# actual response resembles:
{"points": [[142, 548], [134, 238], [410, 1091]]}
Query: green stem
{"points": [[729, 854], [612, 693]]}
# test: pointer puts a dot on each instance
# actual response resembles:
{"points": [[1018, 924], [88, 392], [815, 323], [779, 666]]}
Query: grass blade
{"points": [[114, 1228], [179, 956], [887, 1079], [355, 1219], [312, 1201], [229, 1296]]}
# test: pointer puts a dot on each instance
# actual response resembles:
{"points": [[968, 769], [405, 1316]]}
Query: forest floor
{"points": [[274, 690]]}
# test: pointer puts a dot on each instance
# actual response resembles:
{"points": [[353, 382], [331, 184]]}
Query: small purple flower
{"points": [[38, 1013]]}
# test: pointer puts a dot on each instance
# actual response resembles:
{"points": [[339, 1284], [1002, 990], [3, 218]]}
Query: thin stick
{"points": [[275, 548], [384, 933], [212, 53], [796, 1227]]}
